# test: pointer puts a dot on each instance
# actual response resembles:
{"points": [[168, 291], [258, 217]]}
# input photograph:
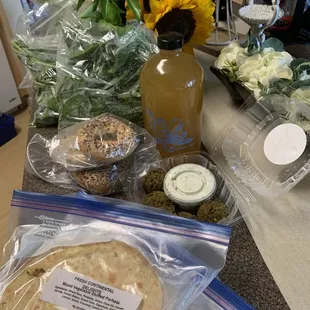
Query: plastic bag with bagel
{"points": [[97, 142]]}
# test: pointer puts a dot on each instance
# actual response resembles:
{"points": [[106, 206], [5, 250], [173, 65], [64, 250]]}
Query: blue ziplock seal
{"points": [[225, 297], [132, 216]]}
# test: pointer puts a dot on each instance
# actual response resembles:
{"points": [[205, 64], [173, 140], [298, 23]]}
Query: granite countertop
{"points": [[245, 270]]}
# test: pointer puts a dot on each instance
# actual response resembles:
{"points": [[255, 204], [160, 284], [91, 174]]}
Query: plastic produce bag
{"points": [[35, 43], [218, 296], [98, 68], [55, 255]]}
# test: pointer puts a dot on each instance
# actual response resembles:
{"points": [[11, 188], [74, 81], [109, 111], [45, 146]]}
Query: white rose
{"points": [[251, 65], [267, 51], [280, 57], [228, 54], [288, 58], [302, 94], [284, 72], [252, 84]]}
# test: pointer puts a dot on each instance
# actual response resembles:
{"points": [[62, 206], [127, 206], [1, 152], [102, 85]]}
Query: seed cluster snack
{"points": [[154, 180], [111, 263], [159, 200], [212, 211]]}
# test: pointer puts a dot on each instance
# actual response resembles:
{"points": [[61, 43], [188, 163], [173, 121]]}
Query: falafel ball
{"points": [[154, 180], [159, 200], [212, 211], [187, 215]]}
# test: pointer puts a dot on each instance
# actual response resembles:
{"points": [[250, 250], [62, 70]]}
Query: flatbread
{"points": [[113, 263]]}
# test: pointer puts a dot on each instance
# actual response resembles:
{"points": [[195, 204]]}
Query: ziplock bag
{"points": [[35, 43], [218, 296], [178, 257], [101, 141], [98, 68]]}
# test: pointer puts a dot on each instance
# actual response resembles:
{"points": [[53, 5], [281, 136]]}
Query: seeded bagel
{"points": [[103, 181], [106, 138]]}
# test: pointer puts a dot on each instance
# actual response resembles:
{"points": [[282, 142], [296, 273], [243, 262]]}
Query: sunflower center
{"points": [[181, 21]]}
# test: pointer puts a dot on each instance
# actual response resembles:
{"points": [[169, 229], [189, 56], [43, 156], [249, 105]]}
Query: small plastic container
{"points": [[268, 145], [133, 182], [7, 128]]}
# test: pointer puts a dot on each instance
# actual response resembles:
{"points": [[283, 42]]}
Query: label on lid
{"points": [[285, 144], [189, 184]]}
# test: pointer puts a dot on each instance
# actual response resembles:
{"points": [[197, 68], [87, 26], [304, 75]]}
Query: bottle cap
{"points": [[189, 185], [170, 41]]}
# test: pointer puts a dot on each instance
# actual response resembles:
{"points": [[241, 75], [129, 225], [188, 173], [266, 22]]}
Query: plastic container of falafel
{"points": [[188, 185]]}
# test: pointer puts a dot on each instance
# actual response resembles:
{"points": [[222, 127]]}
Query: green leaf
{"points": [[276, 44], [298, 61], [90, 10], [298, 66], [79, 5], [111, 12], [134, 6], [299, 84]]}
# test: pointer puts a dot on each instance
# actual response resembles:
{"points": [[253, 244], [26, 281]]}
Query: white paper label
{"points": [[73, 291], [285, 144]]}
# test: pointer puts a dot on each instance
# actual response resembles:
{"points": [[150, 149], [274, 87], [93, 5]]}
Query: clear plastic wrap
{"points": [[35, 43], [100, 181], [98, 68], [63, 241], [134, 187]]}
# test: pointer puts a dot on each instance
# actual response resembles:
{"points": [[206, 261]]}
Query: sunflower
{"points": [[192, 18]]}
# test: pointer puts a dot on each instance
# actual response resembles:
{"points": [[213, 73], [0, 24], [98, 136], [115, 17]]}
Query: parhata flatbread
{"points": [[113, 263]]}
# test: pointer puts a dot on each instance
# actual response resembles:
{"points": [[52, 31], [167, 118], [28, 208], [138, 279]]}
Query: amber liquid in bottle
{"points": [[172, 94]]}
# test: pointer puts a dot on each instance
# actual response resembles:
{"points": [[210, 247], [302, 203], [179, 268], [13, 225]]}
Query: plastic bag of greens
{"points": [[98, 68], [35, 43]]}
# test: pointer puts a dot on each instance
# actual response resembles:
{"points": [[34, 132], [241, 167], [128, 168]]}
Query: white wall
{"points": [[9, 97], [13, 9]]}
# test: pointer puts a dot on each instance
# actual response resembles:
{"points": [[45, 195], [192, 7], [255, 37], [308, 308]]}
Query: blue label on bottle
{"points": [[171, 136]]}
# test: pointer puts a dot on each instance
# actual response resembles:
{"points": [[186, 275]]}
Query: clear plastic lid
{"points": [[189, 184], [267, 145]]}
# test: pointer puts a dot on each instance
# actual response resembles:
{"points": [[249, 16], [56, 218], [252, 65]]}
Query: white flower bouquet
{"points": [[271, 71]]}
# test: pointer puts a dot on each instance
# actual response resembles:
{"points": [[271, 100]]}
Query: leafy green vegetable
{"points": [[99, 68], [111, 11], [134, 6], [42, 66]]}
